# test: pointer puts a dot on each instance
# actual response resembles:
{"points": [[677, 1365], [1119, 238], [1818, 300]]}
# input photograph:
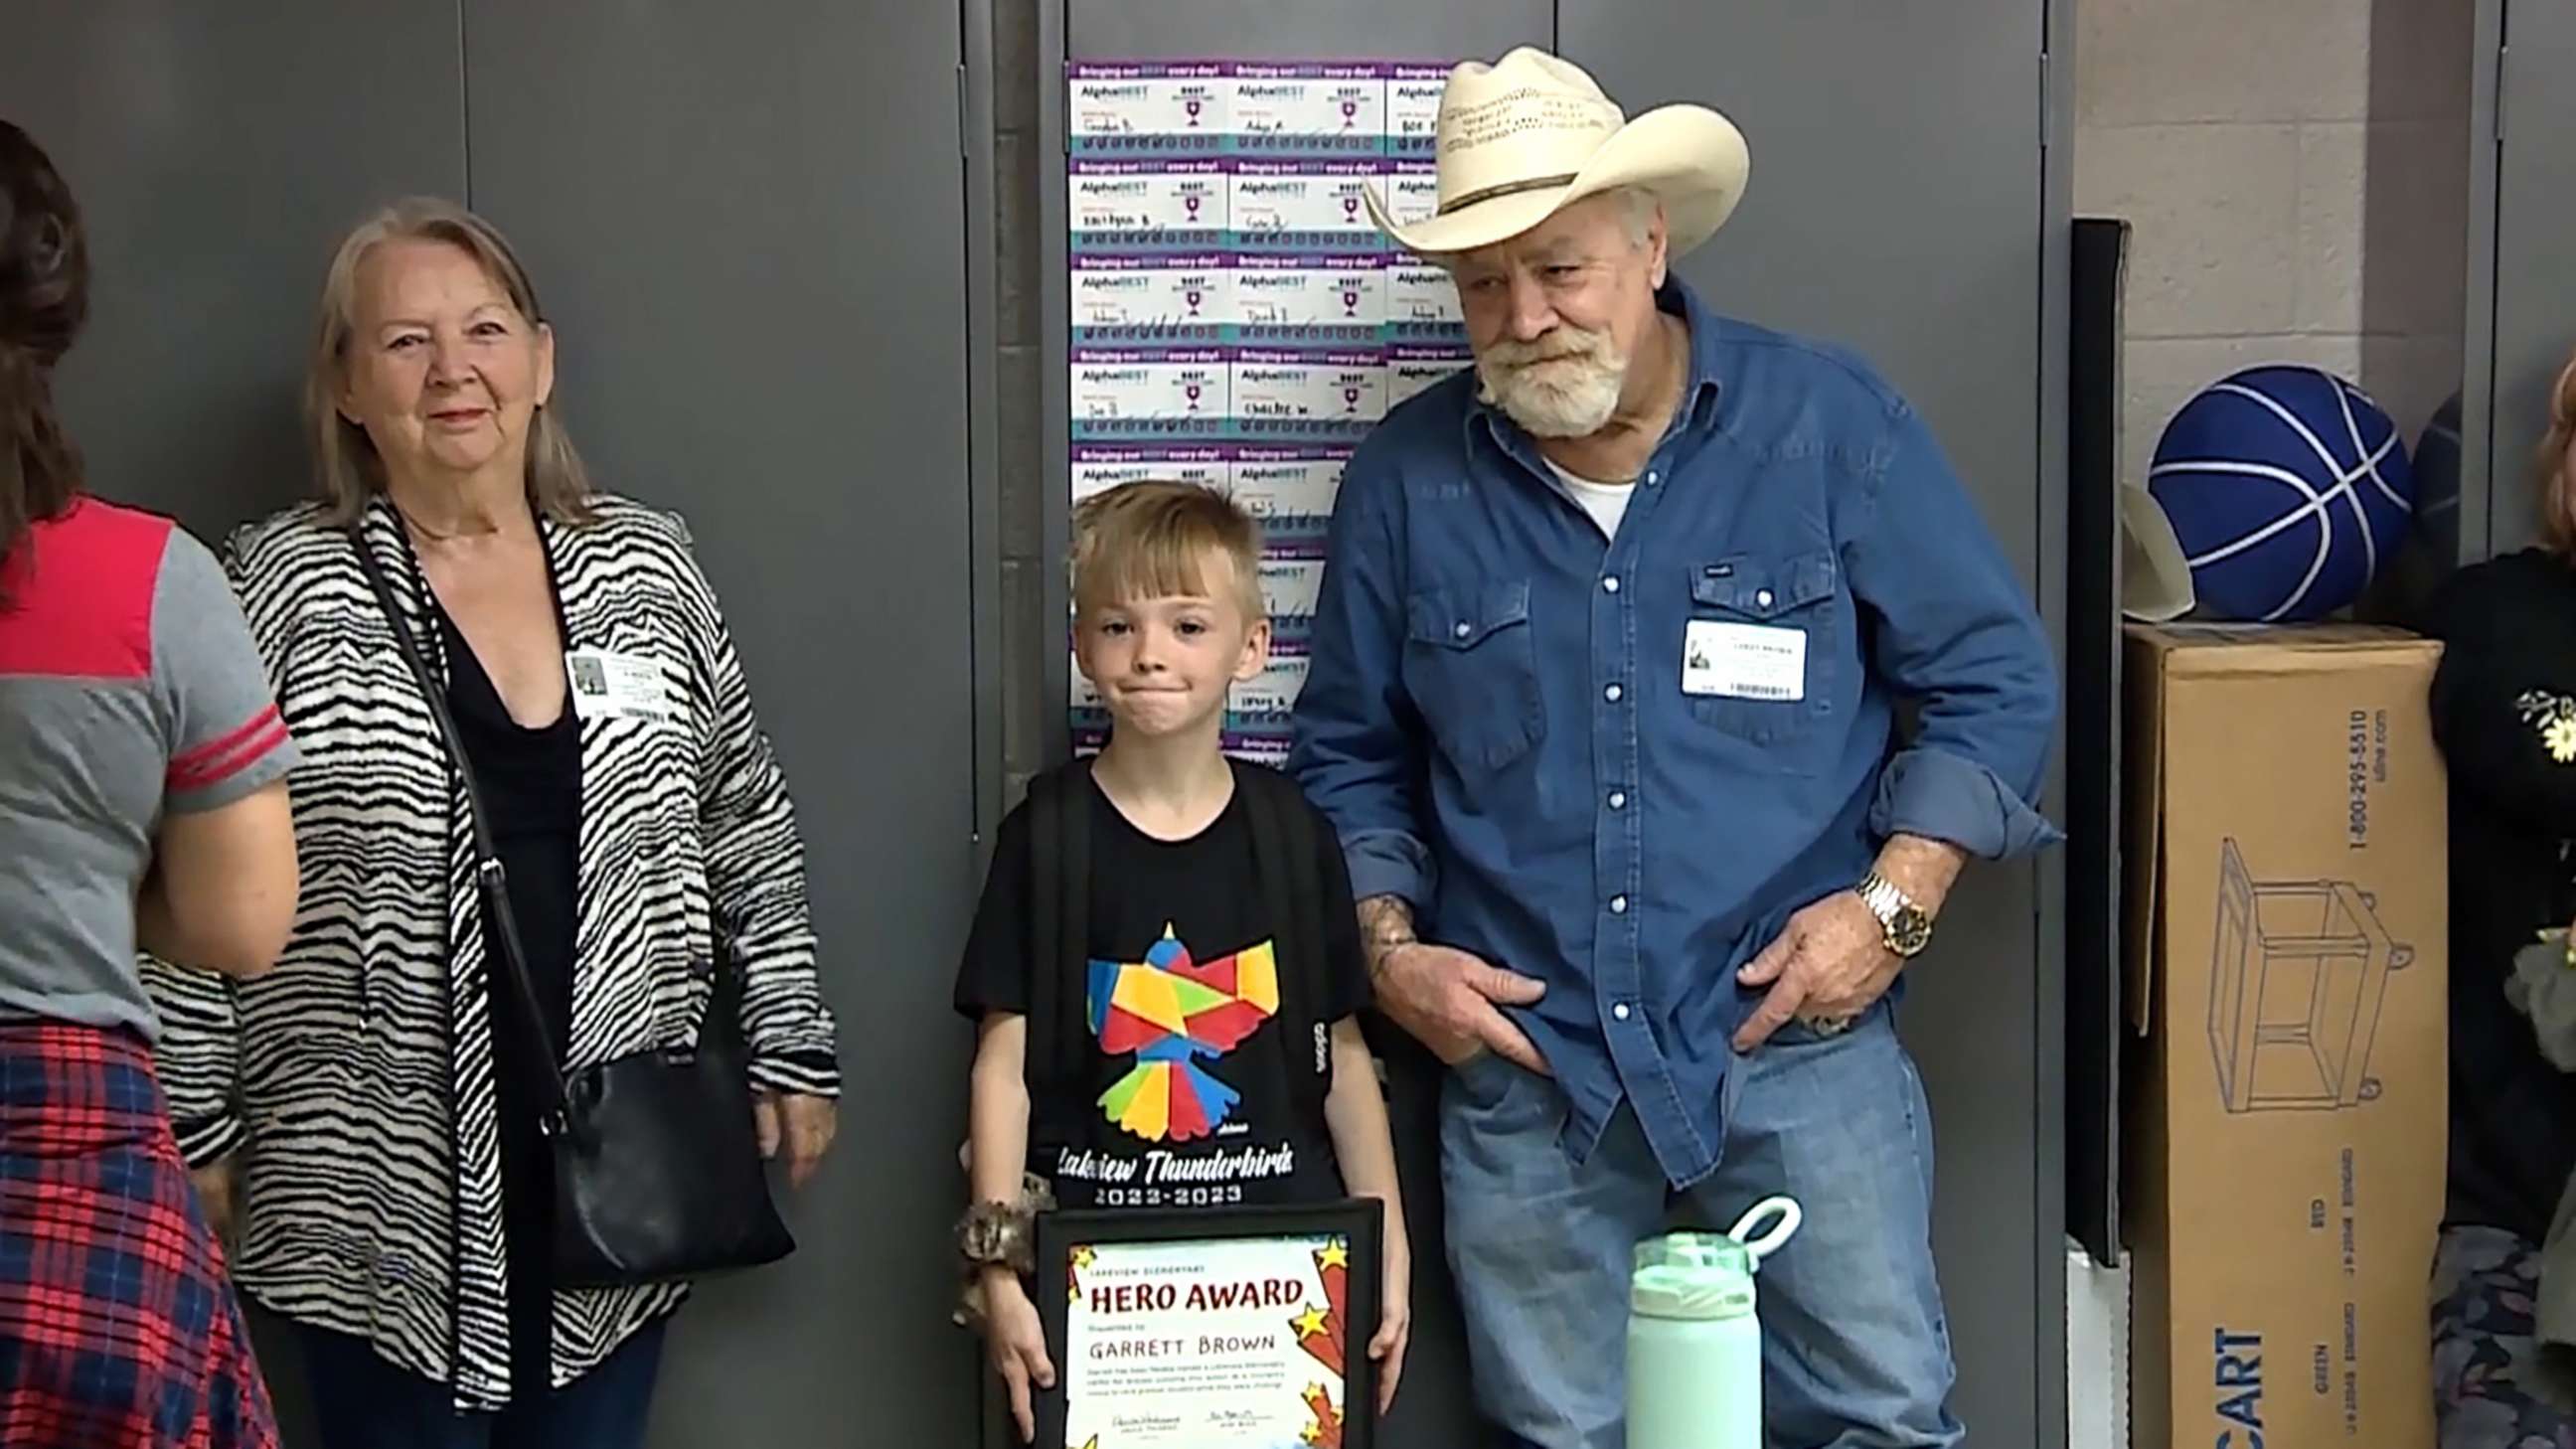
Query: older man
{"points": [[1602, 705]]}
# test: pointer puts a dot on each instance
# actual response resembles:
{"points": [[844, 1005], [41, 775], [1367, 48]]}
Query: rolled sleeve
{"points": [[1956, 634], [1388, 863], [1940, 796]]}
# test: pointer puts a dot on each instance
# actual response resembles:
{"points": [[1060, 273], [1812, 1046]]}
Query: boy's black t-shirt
{"points": [[1186, 1100]]}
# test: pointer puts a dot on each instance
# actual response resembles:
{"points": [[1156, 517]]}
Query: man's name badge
{"points": [[1744, 661]]}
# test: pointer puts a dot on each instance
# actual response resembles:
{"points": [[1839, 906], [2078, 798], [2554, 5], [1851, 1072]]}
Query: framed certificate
{"points": [[1214, 1328]]}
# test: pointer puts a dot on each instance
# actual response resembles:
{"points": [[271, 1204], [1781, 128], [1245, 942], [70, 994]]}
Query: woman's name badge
{"points": [[606, 685]]}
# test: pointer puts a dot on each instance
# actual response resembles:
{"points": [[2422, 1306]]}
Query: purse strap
{"points": [[491, 879]]}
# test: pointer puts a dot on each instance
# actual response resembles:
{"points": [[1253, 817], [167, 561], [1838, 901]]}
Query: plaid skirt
{"points": [[118, 1325]]}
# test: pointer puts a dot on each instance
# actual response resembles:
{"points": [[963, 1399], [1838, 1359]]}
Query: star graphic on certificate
{"points": [[1320, 1331], [1325, 1432], [1075, 1261]]}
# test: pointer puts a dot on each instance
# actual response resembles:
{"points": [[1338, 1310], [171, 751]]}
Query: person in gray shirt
{"points": [[142, 805]]}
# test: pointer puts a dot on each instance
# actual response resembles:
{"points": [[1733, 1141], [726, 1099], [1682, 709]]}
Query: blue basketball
{"points": [[2288, 488]]}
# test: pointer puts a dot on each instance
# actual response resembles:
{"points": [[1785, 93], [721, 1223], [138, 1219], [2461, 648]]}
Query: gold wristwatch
{"points": [[1907, 927]]}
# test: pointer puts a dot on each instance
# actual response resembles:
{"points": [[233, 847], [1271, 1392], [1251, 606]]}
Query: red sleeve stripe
{"points": [[219, 760]]}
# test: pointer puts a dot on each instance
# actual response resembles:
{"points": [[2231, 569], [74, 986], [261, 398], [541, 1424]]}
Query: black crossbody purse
{"points": [[658, 1174]]}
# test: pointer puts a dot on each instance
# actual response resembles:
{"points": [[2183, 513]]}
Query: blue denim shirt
{"points": [[1496, 721]]}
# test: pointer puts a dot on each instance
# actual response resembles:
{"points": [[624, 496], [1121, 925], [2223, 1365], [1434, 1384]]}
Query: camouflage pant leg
{"points": [[2493, 1387]]}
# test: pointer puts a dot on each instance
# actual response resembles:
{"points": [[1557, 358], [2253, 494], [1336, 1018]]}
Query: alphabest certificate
{"points": [[1335, 297], [1413, 108], [1421, 295], [1300, 197], [1280, 393], [1149, 390], [1314, 100], [1228, 1343], [1147, 198], [1290, 491], [1106, 103], [1150, 295]]}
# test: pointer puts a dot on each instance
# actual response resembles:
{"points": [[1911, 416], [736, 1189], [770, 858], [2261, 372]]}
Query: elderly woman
{"points": [[142, 796], [2504, 710], [397, 1197]]}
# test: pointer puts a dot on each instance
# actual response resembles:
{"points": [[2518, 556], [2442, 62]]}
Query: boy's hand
{"points": [[1394, 1318], [1016, 1343]]}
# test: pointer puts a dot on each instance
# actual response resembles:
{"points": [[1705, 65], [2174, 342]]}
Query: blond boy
{"points": [[1276, 1101]]}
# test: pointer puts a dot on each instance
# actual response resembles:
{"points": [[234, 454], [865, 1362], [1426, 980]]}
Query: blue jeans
{"points": [[1855, 1349], [360, 1401]]}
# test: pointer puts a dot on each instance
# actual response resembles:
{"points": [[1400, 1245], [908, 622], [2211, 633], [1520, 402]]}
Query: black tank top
{"points": [[531, 783]]}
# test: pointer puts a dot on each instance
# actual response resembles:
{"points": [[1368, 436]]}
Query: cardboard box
{"points": [[2286, 902]]}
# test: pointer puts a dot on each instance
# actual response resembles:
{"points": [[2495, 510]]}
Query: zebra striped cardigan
{"points": [[359, 1071]]}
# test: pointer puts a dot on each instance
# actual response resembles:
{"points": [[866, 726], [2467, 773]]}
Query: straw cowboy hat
{"points": [[1531, 134]]}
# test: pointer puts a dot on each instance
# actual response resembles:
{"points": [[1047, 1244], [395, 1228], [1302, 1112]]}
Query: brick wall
{"points": [[2297, 175]]}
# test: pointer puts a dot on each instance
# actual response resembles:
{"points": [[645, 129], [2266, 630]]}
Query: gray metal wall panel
{"points": [[751, 238], [2534, 315], [218, 152], [984, 342], [1896, 205]]}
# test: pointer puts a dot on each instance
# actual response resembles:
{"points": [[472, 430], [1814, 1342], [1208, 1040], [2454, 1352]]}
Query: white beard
{"points": [[1575, 401], [1572, 397]]}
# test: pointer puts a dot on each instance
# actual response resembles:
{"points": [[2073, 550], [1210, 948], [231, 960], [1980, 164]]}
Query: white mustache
{"points": [[1589, 346]]}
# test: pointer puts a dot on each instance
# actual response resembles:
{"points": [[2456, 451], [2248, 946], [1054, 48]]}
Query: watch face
{"points": [[1910, 931]]}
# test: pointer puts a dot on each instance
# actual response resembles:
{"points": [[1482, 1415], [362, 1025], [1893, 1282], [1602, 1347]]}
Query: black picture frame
{"points": [[1361, 1221]]}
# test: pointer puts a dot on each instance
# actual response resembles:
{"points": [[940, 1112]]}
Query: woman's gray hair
{"points": [[345, 460]]}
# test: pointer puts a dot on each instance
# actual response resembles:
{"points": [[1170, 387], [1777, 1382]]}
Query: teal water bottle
{"points": [[1694, 1344]]}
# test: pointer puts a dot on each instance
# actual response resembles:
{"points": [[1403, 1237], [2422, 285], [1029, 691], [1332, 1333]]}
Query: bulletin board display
{"points": [[1237, 318]]}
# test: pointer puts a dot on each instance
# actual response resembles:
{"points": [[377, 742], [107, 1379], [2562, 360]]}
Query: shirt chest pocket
{"points": [[1471, 665], [1759, 651]]}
